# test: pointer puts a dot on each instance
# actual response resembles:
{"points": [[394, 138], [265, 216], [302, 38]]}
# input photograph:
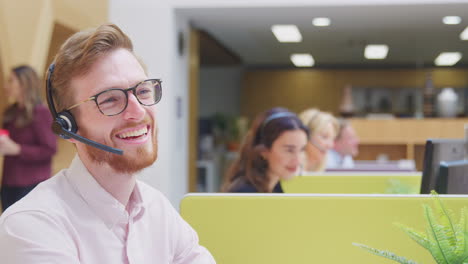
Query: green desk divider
{"points": [[355, 183], [308, 228]]}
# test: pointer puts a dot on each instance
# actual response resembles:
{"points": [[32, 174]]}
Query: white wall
{"points": [[219, 90], [153, 27]]}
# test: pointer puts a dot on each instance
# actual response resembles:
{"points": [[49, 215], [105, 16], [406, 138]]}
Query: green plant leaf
{"points": [[445, 219], [446, 240], [386, 254], [441, 247], [461, 249], [420, 238]]}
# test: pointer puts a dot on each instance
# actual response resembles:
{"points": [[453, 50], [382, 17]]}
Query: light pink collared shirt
{"points": [[71, 219]]}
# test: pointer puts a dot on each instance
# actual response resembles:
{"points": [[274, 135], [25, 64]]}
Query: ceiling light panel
{"points": [[286, 33], [451, 20], [302, 60], [464, 34], [321, 21], [447, 58], [376, 52]]}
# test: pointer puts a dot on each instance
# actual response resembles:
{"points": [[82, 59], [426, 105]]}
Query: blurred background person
{"points": [[323, 128], [346, 147], [272, 150], [30, 145]]}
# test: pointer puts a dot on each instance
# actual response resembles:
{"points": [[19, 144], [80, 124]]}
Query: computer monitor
{"points": [[438, 150], [453, 177]]}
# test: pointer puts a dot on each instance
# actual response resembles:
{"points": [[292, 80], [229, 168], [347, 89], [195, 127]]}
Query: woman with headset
{"points": [[323, 128], [271, 151], [27, 142]]}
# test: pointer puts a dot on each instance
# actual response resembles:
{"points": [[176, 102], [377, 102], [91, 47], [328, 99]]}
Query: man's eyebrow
{"points": [[101, 89], [105, 88]]}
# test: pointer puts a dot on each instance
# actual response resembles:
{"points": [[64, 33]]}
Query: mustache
{"points": [[147, 120]]}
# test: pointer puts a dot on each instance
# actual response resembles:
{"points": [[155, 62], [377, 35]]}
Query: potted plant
{"points": [[229, 130], [446, 240]]}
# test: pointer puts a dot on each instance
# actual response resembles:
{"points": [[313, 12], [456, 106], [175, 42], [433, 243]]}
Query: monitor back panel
{"points": [[438, 150]]}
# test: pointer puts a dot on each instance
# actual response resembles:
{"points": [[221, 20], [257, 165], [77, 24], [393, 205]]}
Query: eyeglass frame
{"points": [[125, 91]]}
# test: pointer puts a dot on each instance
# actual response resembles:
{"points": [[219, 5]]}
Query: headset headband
{"points": [[50, 99], [276, 116]]}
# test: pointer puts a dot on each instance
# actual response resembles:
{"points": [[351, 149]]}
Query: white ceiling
{"points": [[415, 33]]}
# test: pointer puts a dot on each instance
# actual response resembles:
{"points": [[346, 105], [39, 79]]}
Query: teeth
{"points": [[135, 133]]}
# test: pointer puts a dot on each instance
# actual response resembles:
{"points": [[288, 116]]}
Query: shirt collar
{"points": [[336, 155], [102, 203]]}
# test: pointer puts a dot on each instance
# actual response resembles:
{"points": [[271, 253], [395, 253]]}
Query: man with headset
{"points": [[96, 211]]}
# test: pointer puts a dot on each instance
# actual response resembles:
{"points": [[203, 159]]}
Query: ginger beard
{"points": [[126, 164]]}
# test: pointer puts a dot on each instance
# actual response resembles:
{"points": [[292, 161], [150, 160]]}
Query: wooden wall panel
{"points": [[407, 131], [298, 89], [403, 138]]}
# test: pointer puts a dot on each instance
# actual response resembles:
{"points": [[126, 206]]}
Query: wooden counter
{"points": [[403, 138]]}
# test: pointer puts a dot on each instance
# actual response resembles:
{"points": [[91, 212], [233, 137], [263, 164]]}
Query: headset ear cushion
{"points": [[67, 121]]}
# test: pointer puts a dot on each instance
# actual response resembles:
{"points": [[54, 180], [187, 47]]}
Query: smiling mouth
{"points": [[134, 134]]}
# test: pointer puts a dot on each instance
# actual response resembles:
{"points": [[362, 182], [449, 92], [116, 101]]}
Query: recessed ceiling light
{"points": [[286, 33], [451, 20], [375, 52], [447, 58], [464, 34], [321, 21], [302, 60]]}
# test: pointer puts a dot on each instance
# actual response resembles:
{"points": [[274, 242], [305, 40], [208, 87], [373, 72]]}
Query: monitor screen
{"points": [[453, 177], [438, 150]]}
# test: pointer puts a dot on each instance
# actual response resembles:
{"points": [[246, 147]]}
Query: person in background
{"points": [[271, 151], [96, 211], [30, 144], [346, 147], [323, 127]]}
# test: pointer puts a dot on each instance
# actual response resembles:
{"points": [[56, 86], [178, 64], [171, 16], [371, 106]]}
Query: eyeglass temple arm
{"points": [[77, 104]]}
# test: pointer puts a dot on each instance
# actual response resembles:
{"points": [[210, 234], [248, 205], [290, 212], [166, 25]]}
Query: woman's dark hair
{"points": [[30, 89], [250, 166]]}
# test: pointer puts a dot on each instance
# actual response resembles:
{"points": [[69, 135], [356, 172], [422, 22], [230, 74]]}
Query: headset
{"points": [[276, 116], [317, 145], [64, 123]]}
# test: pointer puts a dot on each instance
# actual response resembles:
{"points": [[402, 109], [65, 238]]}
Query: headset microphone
{"points": [[64, 123], [317, 145]]}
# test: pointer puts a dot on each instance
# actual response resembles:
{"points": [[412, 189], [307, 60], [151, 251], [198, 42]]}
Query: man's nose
{"points": [[134, 110]]}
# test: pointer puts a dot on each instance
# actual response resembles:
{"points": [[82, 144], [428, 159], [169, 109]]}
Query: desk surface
{"points": [[355, 183]]}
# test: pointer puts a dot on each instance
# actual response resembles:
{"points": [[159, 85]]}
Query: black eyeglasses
{"points": [[114, 101]]}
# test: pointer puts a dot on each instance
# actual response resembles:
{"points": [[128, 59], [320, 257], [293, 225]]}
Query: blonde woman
{"points": [[323, 128]]}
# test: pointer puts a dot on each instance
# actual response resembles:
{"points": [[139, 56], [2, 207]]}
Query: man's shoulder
{"points": [[333, 153], [40, 222], [333, 158], [46, 198]]}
